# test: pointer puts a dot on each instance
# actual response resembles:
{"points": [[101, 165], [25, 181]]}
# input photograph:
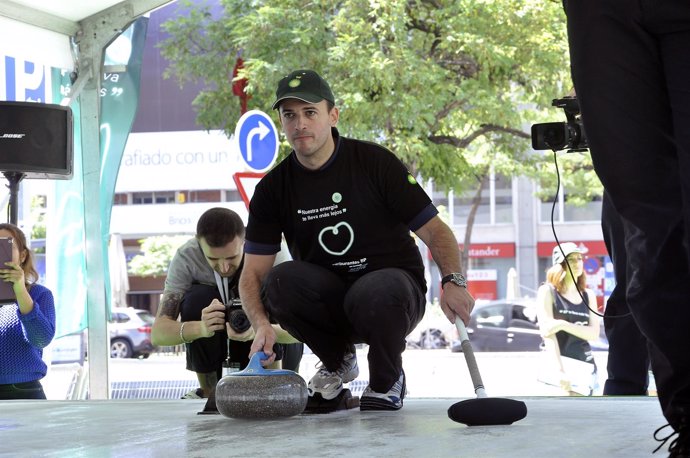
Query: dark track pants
{"points": [[330, 315]]}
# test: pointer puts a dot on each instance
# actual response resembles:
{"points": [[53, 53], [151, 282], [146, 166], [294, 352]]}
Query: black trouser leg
{"points": [[306, 300], [207, 355], [329, 316], [628, 359], [384, 307]]}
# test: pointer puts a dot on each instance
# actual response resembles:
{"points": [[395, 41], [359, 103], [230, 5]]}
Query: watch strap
{"points": [[461, 280]]}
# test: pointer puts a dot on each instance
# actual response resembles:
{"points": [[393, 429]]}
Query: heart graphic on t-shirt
{"points": [[335, 231]]}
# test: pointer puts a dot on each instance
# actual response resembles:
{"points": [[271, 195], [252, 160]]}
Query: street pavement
{"points": [[430, 373]]}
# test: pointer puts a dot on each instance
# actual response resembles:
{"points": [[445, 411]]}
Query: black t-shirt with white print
{"points": [[352, 216]]}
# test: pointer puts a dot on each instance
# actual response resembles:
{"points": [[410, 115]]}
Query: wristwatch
{"points": [[455, 277]]}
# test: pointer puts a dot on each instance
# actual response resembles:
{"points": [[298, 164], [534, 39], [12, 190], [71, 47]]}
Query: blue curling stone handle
{"points": [[255, 368]]}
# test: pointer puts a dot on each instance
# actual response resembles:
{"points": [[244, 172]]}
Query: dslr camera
{"points": [[558, 136], [236, 317]]}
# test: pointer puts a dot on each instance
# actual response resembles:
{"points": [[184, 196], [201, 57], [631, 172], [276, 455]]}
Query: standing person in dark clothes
{"points": [[631, 70]]}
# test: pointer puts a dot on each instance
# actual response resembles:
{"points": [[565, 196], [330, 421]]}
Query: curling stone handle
{"points": [[469, 358], [254, 366]]}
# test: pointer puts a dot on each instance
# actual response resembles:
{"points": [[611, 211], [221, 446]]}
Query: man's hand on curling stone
{"points": [[264, 340]]}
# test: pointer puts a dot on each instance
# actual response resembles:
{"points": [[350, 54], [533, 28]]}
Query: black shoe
{"points": [[680, 445], [392, 400]]}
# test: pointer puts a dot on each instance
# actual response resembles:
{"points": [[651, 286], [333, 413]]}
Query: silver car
{"points": [[130, 333]]}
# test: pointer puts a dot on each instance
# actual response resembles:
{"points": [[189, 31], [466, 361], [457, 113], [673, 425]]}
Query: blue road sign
{"points": [[592, 265], [257, 139]]}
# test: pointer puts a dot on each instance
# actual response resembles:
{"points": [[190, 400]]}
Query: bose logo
{"points": [[12, 135]]}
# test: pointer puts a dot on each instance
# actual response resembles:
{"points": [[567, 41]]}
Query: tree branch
{"points": [[483, 130], [507, 130], [445, 111]]}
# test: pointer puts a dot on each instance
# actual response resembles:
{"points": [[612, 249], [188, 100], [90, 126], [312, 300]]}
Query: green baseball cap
{"points": [[305, 85]]}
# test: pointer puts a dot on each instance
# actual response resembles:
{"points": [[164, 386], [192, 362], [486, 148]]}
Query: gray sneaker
{"points": [[330, 384], [392, 400], [196, 393]]}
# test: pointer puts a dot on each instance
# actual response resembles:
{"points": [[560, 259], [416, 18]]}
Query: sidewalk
{"points": [[430, 373]]}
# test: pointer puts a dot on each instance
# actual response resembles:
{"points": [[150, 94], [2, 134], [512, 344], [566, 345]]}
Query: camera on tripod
{"points": [[558, 136], [236, 317]]}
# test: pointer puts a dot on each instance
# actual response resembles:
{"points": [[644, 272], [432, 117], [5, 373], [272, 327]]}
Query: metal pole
{"points": [[14, 178]]}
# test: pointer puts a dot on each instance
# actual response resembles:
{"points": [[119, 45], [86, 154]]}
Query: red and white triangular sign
{"points": [[246, 183]]}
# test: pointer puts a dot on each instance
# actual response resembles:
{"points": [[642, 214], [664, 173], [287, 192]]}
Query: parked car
{"points": [[505, 325], [433, 332], [130, 333]]}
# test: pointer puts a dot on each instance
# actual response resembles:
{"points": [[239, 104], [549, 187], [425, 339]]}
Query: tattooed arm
{"points": [[166, 329]]}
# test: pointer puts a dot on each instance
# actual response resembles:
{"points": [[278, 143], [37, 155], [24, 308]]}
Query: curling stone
{"points": [[256, 392]]}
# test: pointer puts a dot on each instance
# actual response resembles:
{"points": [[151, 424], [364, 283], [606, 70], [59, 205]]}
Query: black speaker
{"points": [[36, 139]]}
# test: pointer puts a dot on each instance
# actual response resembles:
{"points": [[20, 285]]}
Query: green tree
{"points": [[450, 86], [158, 251], [37, 215]]}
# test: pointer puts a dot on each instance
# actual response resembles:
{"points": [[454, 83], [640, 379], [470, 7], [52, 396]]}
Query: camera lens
{"points": [[238, 320]]}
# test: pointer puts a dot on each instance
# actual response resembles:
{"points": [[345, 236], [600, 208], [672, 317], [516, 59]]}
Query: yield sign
{"points": [[246, 183], [257, 140]]}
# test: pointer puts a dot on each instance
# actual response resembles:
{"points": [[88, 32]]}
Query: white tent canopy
{"points": [[66, 16], [72, 34]]}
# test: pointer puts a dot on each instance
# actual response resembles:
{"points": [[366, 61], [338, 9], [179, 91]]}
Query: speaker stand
{"points": [[14, 178]]}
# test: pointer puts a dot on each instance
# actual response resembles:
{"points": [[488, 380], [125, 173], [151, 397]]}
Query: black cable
{"points": [[558, 243]]}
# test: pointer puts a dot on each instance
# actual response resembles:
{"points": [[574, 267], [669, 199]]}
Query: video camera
{"points": [[236, 317], [558, 136]]}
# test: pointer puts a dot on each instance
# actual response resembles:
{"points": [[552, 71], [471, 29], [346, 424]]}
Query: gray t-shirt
{"points": [[189, 265]]}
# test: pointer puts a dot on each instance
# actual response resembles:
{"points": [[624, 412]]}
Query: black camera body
{"points": [[558, 136], [236, 317]]}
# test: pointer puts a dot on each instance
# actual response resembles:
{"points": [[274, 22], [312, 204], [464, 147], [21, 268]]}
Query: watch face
{"points": [[459, 280], [456, 278]]}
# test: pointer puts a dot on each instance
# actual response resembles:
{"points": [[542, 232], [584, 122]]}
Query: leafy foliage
{"points": [[157, 251], [450, 86], [38, 217]]}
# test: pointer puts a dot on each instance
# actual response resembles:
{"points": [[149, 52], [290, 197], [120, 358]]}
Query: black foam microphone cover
{"points": [[487, 411]]}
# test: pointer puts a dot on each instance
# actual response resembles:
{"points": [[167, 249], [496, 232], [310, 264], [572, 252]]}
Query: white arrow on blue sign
{"points": [[257, 139]]}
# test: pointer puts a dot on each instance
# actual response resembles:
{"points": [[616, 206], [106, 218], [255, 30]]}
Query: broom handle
{"points": [[469, 358]]}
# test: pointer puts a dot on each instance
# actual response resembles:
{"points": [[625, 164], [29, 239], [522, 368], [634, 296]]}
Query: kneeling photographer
{"points": [[201, 280]]}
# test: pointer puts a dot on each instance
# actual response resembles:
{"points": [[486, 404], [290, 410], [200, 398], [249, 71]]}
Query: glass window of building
{"points": [[495, 206], [462, 204], [139, 198], [503, 199], [164, 197], [232, 195], [563, 212], [158, 197]]}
